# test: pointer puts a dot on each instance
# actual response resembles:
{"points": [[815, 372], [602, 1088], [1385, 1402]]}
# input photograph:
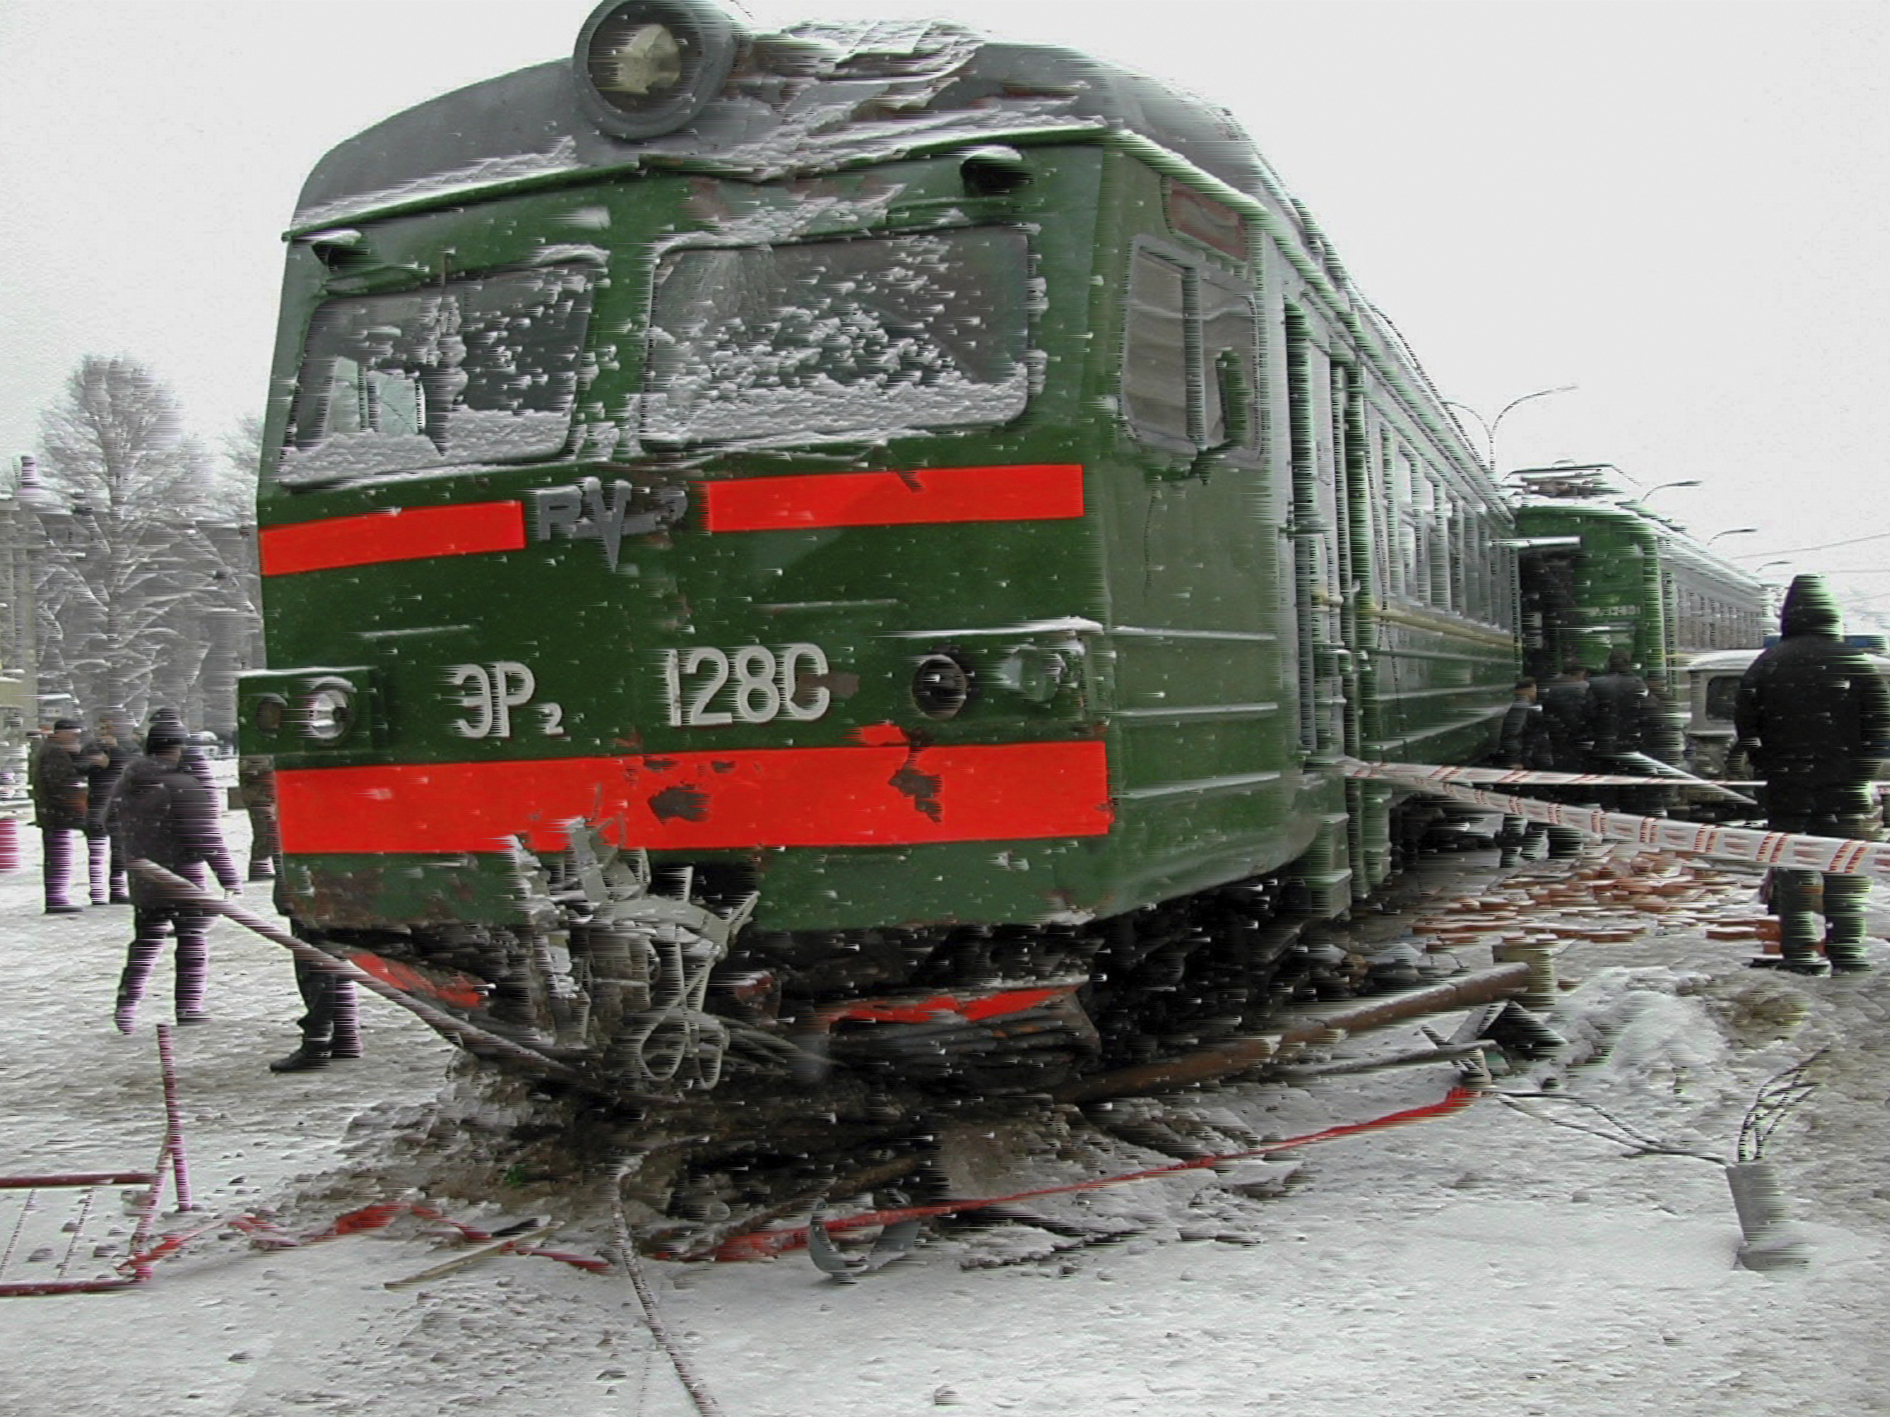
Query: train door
{"points": [[1362, 554], [1319, 432], [1204, 744], [1316, 413]]}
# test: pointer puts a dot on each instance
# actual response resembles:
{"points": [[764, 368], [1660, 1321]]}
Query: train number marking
{"points": [[708, 687], [489, 693]]}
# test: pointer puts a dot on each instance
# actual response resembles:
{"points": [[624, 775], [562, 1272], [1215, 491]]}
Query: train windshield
{"points": [[473, 371], [838, 337]]}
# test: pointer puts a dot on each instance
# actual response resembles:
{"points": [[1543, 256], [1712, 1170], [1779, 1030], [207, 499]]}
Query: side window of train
{"points": [[1188, 356], [1229, 343]]}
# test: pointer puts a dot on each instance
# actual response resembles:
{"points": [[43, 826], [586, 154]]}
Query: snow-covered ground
{"points": [[1483, 1265]]}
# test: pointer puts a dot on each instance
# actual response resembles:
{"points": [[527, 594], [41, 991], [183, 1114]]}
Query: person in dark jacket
{"points": [[57, 784], [1620, 709], [330, 1022], [161, 813], [1564, 702], [1813, 720], [1617, 709], [196, 761], [256, 777], [104, 760], [1522, 743]]}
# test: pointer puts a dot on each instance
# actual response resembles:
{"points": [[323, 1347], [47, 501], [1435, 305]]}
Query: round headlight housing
{"points": [[646, 67], [943, 684], [270, 712], [326, 712]]}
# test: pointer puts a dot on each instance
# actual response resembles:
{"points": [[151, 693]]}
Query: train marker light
{"points": [[326, 712], [992, 171], [646, 67]]}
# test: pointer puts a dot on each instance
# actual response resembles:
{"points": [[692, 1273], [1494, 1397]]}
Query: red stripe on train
{"points": [[398, 534], [854, 796], [1030, 492]]}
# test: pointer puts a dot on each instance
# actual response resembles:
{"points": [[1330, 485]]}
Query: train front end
{"points": [[621, 510]]}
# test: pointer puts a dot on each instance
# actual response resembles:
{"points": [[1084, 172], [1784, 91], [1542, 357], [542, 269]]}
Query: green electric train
{"points": [[864, 541], [1601, 572]]}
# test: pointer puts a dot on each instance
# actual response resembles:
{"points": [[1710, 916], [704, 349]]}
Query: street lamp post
{"points": [[1489, 428], [1730, 531], [1689, 482]]}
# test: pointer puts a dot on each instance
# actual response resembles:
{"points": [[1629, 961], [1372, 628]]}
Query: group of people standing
{"points": [[1583, 723], [159, 806], [74, 787], [1812, 718]]}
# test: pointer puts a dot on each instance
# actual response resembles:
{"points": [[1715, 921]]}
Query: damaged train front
{"points": [[647, 553]]}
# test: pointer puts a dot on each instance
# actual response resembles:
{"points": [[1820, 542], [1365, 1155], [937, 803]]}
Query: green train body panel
{"points": [[1319, 569]]}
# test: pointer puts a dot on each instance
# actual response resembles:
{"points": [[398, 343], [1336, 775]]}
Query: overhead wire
{"points": [[1827, 546]]}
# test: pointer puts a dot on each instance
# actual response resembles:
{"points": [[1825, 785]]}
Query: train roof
{"points": [[820, 97], [810, 99], [1625, 514]]}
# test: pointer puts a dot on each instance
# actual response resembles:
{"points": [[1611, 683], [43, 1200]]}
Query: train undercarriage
{"points": [[643, 984]]}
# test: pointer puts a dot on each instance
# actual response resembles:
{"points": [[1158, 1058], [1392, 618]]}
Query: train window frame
{"points": [[1018, 384], [316, 451], [1198, 217], [1721, 696], [1210, 296]]}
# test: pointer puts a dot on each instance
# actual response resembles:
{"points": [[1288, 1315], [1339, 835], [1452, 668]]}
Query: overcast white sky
{"points": [[1677, 205]]}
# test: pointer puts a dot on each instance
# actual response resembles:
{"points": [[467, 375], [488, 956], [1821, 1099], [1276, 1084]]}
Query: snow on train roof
{"points": [[810, 99]]}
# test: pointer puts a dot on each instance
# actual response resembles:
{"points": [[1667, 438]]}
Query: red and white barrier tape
{"points": [[1790, 850], [1507, 777]]}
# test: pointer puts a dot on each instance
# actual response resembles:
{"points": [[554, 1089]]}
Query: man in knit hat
{"points": [[1813, 719], [161, 813]]}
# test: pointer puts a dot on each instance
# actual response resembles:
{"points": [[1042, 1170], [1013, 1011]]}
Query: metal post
{"points": [[173, 1151]]}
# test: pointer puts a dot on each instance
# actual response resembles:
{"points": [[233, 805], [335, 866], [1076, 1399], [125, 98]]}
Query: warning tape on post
{"points": [[1790, 850]]}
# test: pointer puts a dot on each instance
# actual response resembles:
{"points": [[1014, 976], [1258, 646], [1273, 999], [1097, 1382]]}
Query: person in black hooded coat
{"points": [[161, 813], [1813, 719]]}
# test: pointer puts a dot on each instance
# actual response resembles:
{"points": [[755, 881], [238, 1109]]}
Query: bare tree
{"points": [[233, 488], [132, 557]]}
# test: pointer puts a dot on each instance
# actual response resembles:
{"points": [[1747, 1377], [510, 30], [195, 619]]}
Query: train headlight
{"points": [[646, 67], [942, 685], [326, 712]]}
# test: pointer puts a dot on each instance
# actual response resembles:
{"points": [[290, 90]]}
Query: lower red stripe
{"points": [[402, 534], [856, 796]]}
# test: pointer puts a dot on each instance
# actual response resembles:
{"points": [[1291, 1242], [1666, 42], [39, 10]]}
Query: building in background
{"points": [[193, 605]]}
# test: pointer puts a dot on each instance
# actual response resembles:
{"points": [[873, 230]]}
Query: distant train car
{"points": [[1600, 572], [938, 500]]}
